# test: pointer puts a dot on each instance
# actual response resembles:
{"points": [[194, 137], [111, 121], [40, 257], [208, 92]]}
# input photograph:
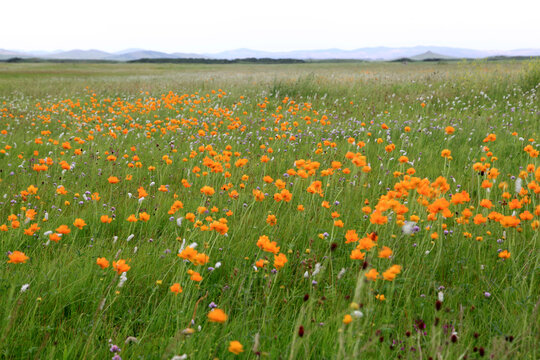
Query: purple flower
{"points": [[212, 305], [486, 294]]}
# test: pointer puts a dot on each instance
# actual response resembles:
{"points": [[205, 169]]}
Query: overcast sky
{"points": [[273, 25]]}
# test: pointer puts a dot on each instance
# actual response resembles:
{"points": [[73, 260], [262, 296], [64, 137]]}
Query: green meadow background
{"points": [[73, 309]]}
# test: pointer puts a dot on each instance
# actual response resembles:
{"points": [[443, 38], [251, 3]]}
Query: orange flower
{"points": [[378, 218], [259, 263], [479, 219], [385, 252], [486, 203], [389, 275], [105, 219], [236, 347], [102, 262], [271, 220], [63, 229], [195, 276], [207, 190], [258, 194], [365, 243], [31, 214], [265, 244], [17, 257], [509, 221], [176, 288], [121, 266], [347, 319], [54, 237], [315, 188], [372, 274], [351, 236], [446, 154], [142, 193], [505, 254], [200, 259], [219, 226], [188, 253], [79, 223], [217, 315], [279, 261], [113, 180], [460, 198], [144, 216], [32, 229], [357, 255]]}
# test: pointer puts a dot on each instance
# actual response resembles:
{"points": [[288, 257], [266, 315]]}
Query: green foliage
{"points": [[72, 307], [530, 77]]}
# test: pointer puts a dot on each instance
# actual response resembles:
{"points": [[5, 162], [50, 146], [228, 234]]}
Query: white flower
{"points": [[408, 227], [317, 269], [123, 279], [179, 357], [306, 275], [441, 296], [218, 265], [518, 185], [130, 237], [357, 314], [25, 287], [179, 221], [341, 273], [141, 200]]}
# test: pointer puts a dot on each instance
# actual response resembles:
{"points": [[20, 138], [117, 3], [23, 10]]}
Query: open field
{"points": [[326, 211]]}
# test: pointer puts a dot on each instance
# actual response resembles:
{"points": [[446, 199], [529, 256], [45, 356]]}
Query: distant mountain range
{"points": [[370, 53]]}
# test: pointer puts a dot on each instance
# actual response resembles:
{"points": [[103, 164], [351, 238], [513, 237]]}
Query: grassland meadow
{"points": [[308, 211]]}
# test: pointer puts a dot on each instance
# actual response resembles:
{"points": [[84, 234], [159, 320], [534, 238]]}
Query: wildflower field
{"points": [[308, 211]]}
